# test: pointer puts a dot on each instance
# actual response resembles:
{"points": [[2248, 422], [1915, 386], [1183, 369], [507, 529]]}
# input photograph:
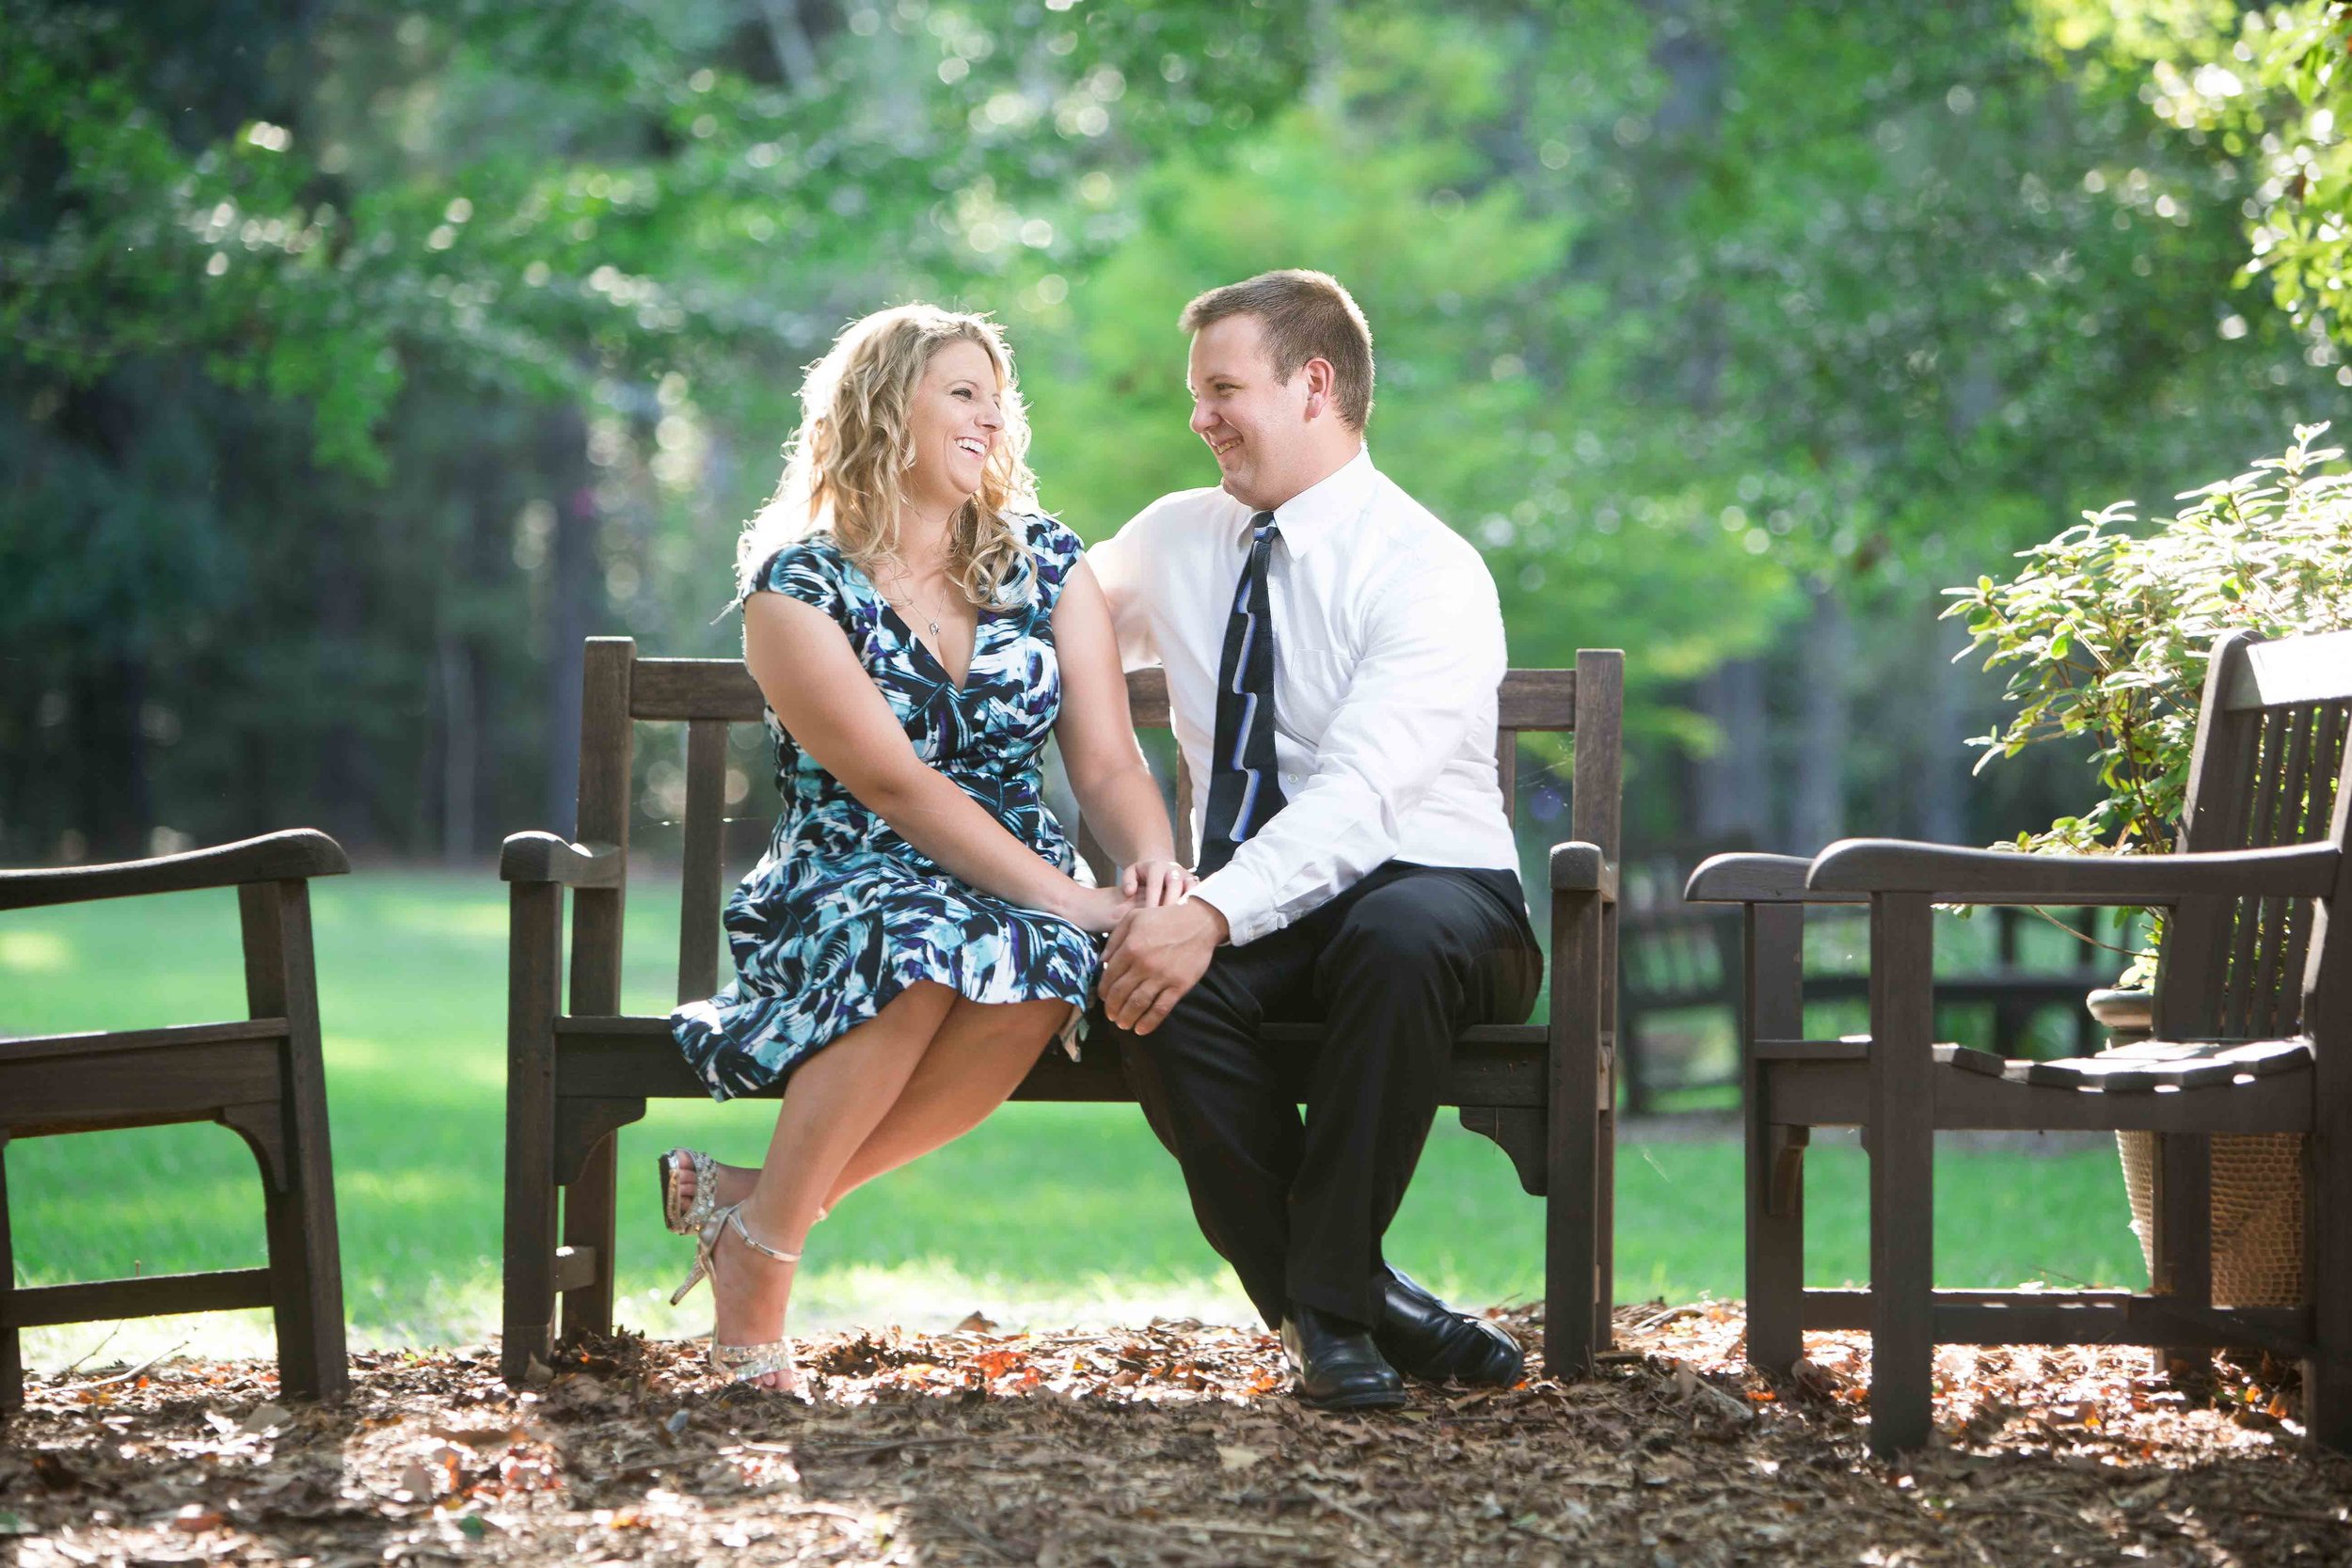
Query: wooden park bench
{"points": [[578, 1070], [1681, 967], [261, 1075], [2252, 1034]]}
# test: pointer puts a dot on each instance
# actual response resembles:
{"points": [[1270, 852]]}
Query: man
{"points": [[1332, 652]]}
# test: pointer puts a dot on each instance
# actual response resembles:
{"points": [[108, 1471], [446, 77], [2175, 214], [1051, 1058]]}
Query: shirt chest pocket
{"points": [[1308, 682]]}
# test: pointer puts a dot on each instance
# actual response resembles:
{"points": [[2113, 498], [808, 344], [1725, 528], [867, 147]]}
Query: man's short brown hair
{"points": [[1306, 315]]}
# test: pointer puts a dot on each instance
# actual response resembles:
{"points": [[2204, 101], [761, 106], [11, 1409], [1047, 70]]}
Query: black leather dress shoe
{"points": [[1425, 1339], [1339, 1367]]}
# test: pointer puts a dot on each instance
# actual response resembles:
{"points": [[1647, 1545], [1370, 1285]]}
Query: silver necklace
{"points": [[912, 602]]}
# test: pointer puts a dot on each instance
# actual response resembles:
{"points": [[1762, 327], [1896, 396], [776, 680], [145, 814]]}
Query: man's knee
{"points": [[1192, 1028]]}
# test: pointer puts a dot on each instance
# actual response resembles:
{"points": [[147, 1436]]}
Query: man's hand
{"points": [[1155, 957]]}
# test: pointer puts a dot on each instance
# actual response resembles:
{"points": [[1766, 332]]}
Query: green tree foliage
{"points": [[2106, 633], [2266, 90], [360, 359]]}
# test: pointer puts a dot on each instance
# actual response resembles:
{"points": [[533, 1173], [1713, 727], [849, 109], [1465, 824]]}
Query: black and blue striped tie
{"points": [[1245, 786]]}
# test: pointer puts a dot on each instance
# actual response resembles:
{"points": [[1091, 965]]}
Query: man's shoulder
{"points": [[1419, 540], [1175, 517], [1179, 507]]}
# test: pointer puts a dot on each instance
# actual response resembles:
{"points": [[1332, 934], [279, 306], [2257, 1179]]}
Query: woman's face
{"points": [[955, 421]]}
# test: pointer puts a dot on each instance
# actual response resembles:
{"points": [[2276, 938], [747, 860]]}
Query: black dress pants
{"points": [[1394, 968]]}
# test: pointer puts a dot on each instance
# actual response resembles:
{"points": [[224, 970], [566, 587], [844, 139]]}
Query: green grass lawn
{"points": [[1046, 1215]]}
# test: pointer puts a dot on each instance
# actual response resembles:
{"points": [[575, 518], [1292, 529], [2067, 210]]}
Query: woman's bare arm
{"points": [[1115, 790], [830, 705]]}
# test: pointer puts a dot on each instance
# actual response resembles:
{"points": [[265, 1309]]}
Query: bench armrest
{"points": [[1751, 879], [287, 856], [537, 857], [1867, 865], [1581, 867]]}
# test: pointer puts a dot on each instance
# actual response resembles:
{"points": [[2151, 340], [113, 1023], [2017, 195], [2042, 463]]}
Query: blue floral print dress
{"points": [[841, 914]]}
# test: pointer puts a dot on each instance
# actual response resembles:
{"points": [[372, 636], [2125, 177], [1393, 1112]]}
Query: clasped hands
{"points": [[1160, 945]]}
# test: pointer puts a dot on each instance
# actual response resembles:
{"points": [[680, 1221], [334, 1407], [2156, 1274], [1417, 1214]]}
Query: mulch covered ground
{"points": [[1173, 1444]]}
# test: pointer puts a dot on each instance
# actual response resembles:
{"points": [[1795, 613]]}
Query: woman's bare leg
{"points": [[977, 1057], [830, 1104]]}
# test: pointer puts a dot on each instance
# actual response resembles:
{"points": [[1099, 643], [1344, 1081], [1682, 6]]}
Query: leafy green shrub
{"points": [[2106, 632]]}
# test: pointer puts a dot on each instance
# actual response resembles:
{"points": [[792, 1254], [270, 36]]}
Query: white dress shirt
{"points": [[1388, 647]]}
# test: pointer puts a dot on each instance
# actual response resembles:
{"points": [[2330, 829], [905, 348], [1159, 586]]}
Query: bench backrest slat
{"points": [[708, 695], [2268, 768], [606, 748], [723, 688], [700, 893]]}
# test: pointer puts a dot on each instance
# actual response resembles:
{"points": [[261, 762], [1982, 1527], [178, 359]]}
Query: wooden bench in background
{"points": [[579, 1069], [261, 1075], [2253, 1034]]}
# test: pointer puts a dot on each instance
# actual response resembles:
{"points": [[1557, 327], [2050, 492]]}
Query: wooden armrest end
{"points": [[1581, 867], [1745, 877], [537, 857], [291, 855]]}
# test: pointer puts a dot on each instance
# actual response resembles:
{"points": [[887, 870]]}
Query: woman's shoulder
{"points": [[813, 568], [1053, 542], [1053, 547]]}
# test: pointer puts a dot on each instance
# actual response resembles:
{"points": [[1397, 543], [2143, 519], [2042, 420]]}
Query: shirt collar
{"points": [[1331, 503]]}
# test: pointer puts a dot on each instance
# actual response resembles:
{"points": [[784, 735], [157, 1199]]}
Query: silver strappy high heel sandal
{"points": [[687, 1218], [738, 1363]]}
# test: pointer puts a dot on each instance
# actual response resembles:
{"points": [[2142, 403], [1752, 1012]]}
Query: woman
{"points": [[912, 937]]}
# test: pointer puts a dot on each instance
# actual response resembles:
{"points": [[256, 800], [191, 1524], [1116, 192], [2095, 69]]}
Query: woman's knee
{"points": [[1013, 1025]]}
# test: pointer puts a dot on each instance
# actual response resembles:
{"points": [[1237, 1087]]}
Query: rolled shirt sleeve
{"points": [[1433, 657]]}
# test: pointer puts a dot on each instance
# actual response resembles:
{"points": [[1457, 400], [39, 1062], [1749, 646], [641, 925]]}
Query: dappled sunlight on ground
{"points": [[1168, 1442]]}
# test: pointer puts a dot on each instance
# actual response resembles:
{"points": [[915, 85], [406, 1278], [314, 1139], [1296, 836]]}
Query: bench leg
{"points": [[2181, 1219], [305, 1252], [11, 1346], [1772, 979], [306, 1269], [1605, 1143], [2327, 1242], [1902, 1173], [1572, 1214], [1776, 1236], [1605, 1218], [528, 1314], [590, 1206]]}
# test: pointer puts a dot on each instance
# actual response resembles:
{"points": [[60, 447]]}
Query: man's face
{"points": [[1255, 423]]}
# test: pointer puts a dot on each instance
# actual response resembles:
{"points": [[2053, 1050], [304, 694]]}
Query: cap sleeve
{"points": [[809, 571], [1056, 550]]}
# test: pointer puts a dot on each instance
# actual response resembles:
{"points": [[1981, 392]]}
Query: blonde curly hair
{"points": [[845, 467]]}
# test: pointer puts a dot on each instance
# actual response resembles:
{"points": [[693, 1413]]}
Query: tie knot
{"points": [[1262, 526]]}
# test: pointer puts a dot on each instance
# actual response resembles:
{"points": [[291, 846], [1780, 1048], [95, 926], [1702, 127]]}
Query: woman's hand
{"points": [[1152, 884], [1095, 908]]}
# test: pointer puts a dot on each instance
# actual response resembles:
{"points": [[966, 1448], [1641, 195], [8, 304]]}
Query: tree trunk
{"points": [[461, 732], [572, 601], [1817, 814], [1734, 785], [1941, 759]]}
